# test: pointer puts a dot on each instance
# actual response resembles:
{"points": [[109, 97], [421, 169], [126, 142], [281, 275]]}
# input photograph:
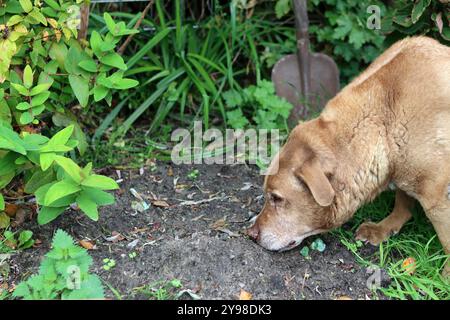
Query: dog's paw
{"points": [[372, 232]]}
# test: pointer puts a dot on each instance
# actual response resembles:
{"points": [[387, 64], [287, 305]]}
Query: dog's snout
{"points": [[253, 232]]}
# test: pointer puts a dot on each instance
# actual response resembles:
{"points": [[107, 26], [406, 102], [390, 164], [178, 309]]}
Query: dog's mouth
{"points": [[294, 243]]}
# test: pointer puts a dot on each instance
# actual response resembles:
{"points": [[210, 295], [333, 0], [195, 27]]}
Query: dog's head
{"points": [[299, 191]]}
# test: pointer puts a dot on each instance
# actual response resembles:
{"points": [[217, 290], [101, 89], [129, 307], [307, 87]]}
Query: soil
{"points": [[202, 244]]}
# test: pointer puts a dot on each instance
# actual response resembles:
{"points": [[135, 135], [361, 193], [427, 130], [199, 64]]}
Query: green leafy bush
{"points": [[257, 106], [47, 75], [426, 17], [63, 274], [56, 181]]}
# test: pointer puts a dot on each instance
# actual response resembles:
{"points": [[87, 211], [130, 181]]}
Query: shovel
{"points": [[307, 80]]}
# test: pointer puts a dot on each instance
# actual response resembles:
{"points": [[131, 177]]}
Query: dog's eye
{"points": [[275, 198]]}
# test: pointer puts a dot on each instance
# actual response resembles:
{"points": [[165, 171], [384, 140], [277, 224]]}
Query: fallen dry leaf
{"points": [[160, 203], [245, 295], [11, 209], [20, 217], [115, 237], [88, 245], [409, 265]]}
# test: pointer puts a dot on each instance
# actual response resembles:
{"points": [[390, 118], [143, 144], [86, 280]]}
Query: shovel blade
{"points": [[324, 84]]}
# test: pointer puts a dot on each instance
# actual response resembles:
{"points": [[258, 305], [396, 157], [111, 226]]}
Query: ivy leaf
{"points": [[80, 87]]}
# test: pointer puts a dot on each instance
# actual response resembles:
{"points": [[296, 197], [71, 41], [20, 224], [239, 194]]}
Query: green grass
{"points": [[417, 239]]}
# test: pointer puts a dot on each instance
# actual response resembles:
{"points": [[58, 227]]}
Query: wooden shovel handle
{"points": [[302, 24]]}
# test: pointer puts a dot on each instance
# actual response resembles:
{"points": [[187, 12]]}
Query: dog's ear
{"points": [[313, 175]]}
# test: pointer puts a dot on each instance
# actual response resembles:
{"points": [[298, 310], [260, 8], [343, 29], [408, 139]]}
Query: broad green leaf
{"points": [[20, 88], [39, 99], [37, 111], [38, 179], [27, 6], [100, 92], [28, 77], [100, 197], [26, 117], [5, 112], [59, 190], [53, 4], [110, 23], [67, 119], [115, 60], [14, 20], [40, 88], [107, 46], [47, 214], [6, 179], [62, 136], [24, 239], [2, 203], [10, 140], [88, 206], [70, 167], [23, 106], [80, 87], [96, 42], [100, 182], [38, 16], [124, 84], [46, 160], [58, 51], [88, 65]]}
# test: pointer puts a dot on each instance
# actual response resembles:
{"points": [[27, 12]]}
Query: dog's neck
{"points": [[363, 169]]}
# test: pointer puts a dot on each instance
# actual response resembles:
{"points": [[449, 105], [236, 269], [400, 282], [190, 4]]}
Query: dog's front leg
{"points": [[376, 233], [440, 218]]}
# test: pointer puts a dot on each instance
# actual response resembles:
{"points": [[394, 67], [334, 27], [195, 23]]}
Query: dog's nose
{"points": [[253, 232]]}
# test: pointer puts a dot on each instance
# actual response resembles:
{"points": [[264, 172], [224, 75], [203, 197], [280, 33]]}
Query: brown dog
{"points": [[390, 124]]}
